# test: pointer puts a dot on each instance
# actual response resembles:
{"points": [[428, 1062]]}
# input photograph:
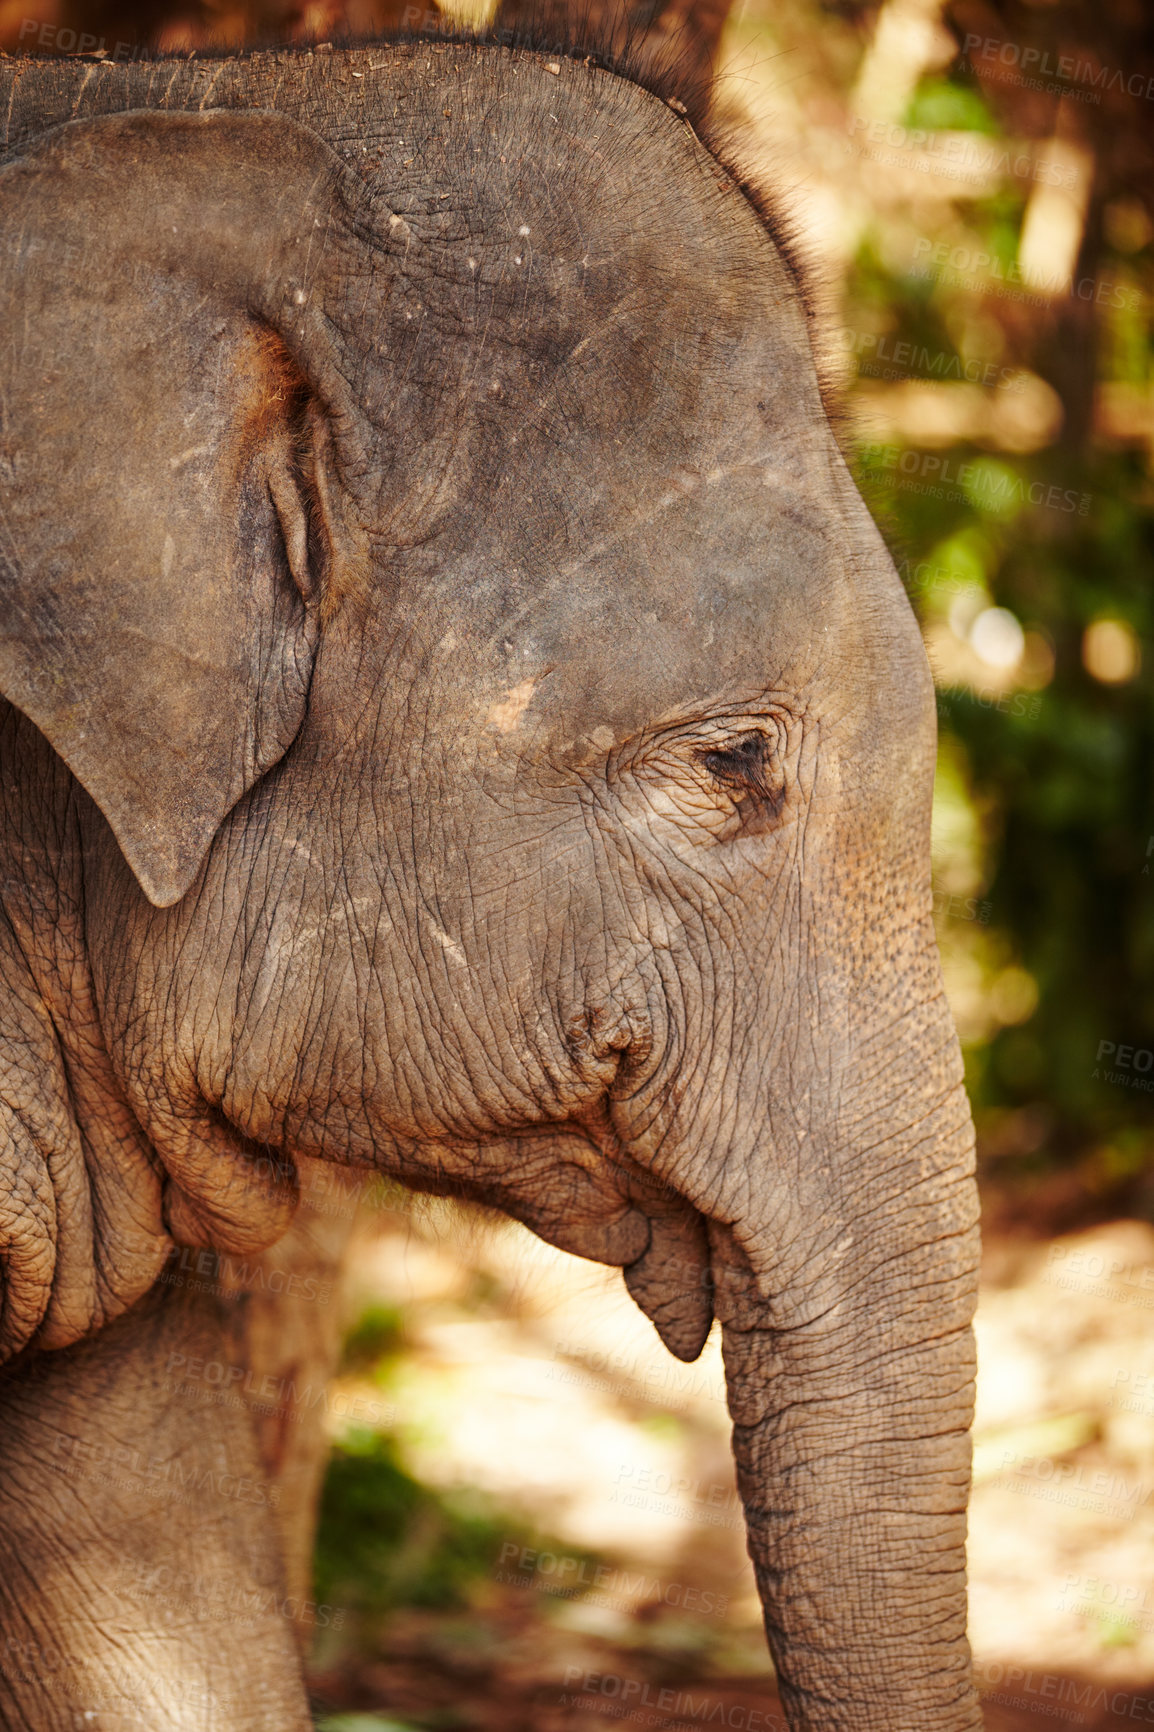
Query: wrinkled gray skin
{"points": [[464, 723]]}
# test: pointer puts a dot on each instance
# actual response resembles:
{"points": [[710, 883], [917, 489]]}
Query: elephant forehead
{"points": [[492, 171], [602, 487], [729, 585], [699, 597], [566, 294]]}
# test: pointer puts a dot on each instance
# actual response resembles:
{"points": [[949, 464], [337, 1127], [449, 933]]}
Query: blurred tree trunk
{"points": [[673, 41], [1113, 46], [286, 1325]]}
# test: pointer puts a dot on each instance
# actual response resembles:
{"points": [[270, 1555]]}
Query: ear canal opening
{"points": [[321, 515], [292, 471], [292, 514]]}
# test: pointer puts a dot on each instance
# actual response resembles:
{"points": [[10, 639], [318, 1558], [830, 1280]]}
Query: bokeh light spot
{"points": [[997, 638], [1110, 651]]}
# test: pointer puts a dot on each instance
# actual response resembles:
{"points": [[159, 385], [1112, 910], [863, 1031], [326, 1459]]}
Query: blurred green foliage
{"points": [[1062, 778], [1070, 796], [385, 1540], [375, 1341], [362, 1723]]}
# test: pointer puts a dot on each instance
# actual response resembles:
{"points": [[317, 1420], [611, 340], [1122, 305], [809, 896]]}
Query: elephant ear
{"points": [[169, 381]]}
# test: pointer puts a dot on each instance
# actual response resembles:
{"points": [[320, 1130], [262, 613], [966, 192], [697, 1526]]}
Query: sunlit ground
{"points": [[1062, 1524], [614, 1538], [608, 1538]]}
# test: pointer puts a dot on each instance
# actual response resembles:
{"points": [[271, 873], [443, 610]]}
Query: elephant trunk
{"points": [[851, 1392]]}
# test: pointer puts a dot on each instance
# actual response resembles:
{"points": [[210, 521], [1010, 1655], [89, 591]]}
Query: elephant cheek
{"points": [[225, 1192]]}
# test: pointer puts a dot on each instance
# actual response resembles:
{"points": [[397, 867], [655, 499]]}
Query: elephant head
{"points": [[504, 754]]}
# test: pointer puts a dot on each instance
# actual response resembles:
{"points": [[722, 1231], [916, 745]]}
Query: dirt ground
{"points": [[531, 1378]]}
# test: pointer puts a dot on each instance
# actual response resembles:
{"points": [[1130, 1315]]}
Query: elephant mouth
{"points": [[574, 1185], [672, 1281]]}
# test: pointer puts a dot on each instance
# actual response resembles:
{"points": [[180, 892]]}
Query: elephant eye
{"points": [[718, 778], [747, 768]]}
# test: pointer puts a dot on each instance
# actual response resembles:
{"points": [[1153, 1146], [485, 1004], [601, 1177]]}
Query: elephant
{"points": [[460, 721]]}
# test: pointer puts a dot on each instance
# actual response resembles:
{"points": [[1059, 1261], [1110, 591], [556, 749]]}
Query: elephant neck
{"points": [[84, 1163]]}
